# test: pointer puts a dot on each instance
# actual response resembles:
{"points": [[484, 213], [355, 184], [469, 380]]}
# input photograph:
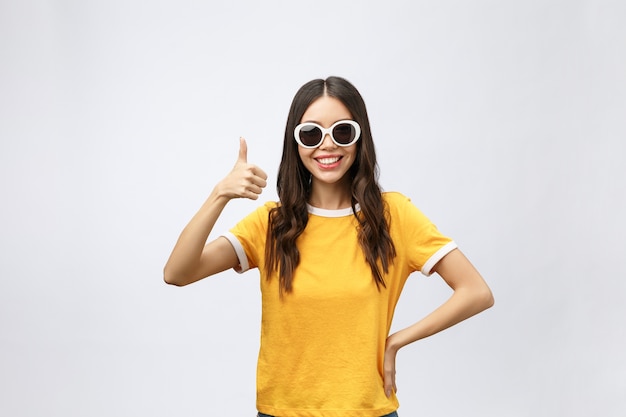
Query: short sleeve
{"points": [[248, 238], [423, 244]]}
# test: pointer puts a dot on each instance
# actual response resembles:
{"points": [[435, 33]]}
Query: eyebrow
{"points": [[320, 123]]}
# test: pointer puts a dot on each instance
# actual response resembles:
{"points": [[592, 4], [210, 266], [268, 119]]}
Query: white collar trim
{"points": [[332, 213]]}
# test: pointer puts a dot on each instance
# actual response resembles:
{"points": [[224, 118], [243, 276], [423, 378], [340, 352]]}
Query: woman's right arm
{"points": [[192, 259]]}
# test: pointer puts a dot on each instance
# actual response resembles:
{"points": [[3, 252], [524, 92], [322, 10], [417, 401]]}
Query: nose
{"points": [[327, 142]]}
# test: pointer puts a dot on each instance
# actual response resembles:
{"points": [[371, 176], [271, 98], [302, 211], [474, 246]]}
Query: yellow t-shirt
{"points": [[322, 345]]}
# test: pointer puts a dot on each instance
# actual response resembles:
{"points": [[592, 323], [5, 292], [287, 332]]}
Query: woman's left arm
{"points": [[471, 296]]}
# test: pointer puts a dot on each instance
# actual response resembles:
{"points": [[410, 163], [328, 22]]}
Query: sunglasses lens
{"points": [[310, 135], [344, 133]]}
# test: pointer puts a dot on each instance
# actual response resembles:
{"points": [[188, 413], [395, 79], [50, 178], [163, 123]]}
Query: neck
{"points": [[330, 196]]}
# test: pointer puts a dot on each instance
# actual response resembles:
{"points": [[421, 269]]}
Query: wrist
{"points": [[215, 201], [220, 194], [393, 343]]}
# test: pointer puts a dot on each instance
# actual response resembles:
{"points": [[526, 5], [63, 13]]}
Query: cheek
{"points": [[304, 153], [353, 154], [353, 159]]}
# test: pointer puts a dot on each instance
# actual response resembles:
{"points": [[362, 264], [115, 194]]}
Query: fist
{"points": [[245, 180]]}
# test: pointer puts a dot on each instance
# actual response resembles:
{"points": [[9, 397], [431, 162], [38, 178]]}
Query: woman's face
{"points": [[328, 163]]}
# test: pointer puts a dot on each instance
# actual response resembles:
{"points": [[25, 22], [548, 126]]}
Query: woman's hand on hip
{"points": [[389, 369]]}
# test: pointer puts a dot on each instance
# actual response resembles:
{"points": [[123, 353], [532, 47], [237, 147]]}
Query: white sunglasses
{"points": [[343, 133]]}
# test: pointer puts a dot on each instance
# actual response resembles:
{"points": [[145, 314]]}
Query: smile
{"points": [[328, 161]]}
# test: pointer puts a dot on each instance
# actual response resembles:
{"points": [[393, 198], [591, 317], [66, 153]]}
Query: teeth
{"points": [[328, 161]]}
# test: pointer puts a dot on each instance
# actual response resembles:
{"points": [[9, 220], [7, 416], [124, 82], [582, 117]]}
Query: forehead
{"points": [[326, 111]]}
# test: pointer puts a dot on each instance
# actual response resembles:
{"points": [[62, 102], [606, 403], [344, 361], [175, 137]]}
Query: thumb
{"points": [[243, 150]]}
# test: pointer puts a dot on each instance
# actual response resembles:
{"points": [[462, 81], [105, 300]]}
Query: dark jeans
{"points": [[394, 414]]}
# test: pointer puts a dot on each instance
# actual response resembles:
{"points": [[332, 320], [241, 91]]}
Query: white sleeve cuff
{"points": [[427, 269], [241, 254]]}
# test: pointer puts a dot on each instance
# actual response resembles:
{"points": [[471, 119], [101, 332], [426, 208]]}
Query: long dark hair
{"points": [[288, 220]]}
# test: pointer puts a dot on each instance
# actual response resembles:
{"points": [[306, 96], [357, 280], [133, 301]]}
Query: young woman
{"points": [[333, 254]]}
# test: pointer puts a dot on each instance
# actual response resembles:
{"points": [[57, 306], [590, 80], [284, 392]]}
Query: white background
{"points": [[504, 121]]}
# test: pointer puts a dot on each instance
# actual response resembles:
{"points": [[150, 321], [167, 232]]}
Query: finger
{"points": [[387, 391], [252, 194], [243, 150], [254, 189], [259, 172], [390, 389], [387, 383], [258, 180]]}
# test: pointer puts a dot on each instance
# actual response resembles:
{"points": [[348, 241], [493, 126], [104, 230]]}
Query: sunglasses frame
{"points": [[329, 131]]}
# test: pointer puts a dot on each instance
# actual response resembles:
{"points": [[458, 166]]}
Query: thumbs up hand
{"points": [[245, 180]]}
